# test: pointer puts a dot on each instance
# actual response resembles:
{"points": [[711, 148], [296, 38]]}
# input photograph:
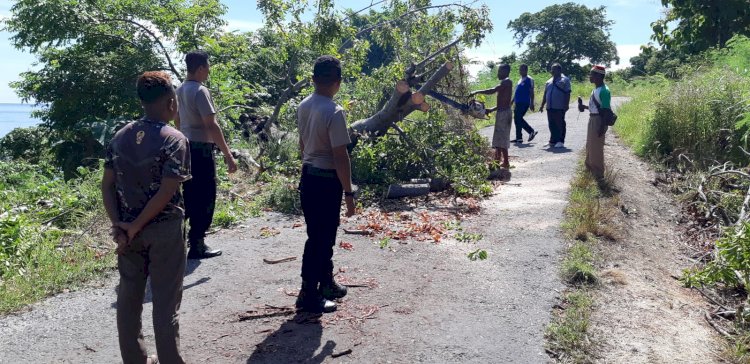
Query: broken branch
{"points": [[277, 261]]}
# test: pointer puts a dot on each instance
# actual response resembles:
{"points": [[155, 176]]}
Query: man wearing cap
{"points": [[599, 104], [557, 98]]}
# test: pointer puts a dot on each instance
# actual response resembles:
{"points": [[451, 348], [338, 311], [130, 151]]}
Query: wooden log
{"points": [[436, 77], [379, 123], [436, 184], [408, 190], [393, 111]]}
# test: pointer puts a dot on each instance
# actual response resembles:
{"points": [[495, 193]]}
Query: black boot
{"points": [[310, 300], [330, 289], [199, 250]]}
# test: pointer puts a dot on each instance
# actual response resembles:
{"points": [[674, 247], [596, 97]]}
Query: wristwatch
{"points": [[349, 194]]}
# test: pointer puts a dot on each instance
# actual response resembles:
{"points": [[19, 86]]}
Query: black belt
{"points": [[203, 145], [319, 172]]}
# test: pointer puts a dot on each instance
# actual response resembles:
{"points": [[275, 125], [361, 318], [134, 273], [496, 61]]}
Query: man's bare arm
{"points": [[343, 167], [488, 91]]}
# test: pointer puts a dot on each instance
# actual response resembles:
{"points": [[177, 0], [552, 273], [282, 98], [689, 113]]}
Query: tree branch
{"points": [[364, 31], [154, 37]]}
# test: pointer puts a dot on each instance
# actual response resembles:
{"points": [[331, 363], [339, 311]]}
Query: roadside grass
{"points": [[587, 220], [695, 126], [54, 233], [568, 333]]}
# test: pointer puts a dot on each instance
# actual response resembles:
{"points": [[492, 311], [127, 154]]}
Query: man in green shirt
{"points": [[599, 101]]}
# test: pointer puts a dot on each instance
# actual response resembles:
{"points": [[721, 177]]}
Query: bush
{"points": [[731, 266], [705, 116], [433, 147], [282, 195], [699, 118], [28, 144]]}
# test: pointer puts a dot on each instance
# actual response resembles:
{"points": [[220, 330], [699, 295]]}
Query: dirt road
{"points": [[424, 301]]}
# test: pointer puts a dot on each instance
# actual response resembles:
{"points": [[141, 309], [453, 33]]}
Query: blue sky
{"points": [[632, 28]]}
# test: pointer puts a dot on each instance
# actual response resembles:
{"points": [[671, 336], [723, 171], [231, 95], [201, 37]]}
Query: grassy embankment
{"points": [[53, 233], [693, 127]]}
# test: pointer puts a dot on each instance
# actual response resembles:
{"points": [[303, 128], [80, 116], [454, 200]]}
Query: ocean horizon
{"points": [[16, 116]]}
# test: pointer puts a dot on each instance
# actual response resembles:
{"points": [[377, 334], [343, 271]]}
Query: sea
{"points": [[16, 116]]}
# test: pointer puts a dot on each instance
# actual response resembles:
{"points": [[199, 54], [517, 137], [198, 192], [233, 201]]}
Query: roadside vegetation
{"points": [[695, 128], [588, 219]]}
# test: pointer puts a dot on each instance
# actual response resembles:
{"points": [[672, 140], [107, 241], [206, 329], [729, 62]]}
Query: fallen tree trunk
{"points": [[408, 190], [402, 103]]}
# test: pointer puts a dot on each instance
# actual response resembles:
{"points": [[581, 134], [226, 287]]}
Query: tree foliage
{"points": [[90, 53], [692, 26], [565, 33]]}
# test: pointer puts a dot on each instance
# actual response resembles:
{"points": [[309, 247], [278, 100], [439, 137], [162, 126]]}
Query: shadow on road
{"points": [[295, 341], [559, 150], [523, 145]]}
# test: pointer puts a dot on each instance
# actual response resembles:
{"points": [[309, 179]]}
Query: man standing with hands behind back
{"points": [[326, 175], [197, 120]]}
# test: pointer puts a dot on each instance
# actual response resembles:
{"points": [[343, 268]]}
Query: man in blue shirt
{"points": [[524, 99], [557, 96]]}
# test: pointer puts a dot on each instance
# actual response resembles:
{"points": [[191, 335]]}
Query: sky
{"points": [[631, 29]]}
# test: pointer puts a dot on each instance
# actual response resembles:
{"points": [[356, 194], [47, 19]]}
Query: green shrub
{"points": [[705, 116], [282, 195], [28, 144], [731, 266], [434, 147]]}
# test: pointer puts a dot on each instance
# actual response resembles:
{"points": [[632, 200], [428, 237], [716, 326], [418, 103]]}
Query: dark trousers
{"points": [[200, 191], [320, 194], [557, 127], [521, 124], [157, 251]]}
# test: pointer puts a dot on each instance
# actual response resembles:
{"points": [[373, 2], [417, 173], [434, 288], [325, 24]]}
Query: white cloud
{"points": [[242, 25], [488, 51], [625, 52]]}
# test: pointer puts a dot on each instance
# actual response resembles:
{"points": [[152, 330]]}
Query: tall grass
{"points": [[633, 116], [54, 233], [705, 116]]}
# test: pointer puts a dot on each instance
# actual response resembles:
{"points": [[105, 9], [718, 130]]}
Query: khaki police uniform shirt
{"points": [[194, 103], [322, 127]]}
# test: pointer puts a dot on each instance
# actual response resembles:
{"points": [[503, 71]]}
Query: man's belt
{"points": [[319, 172]]}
